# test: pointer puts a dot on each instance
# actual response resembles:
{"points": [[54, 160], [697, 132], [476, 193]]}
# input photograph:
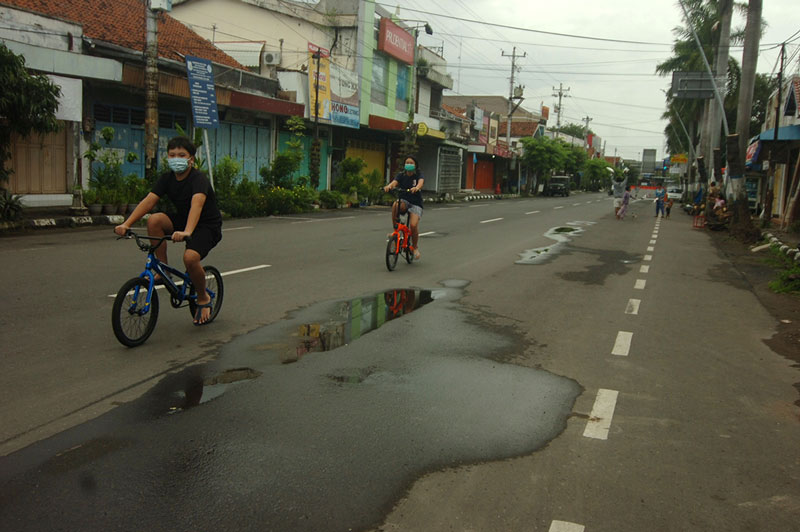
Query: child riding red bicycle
{"points": [[410, 201]]}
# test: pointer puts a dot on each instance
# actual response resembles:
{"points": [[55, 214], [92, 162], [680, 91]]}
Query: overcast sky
{"points": [[612, 83]]}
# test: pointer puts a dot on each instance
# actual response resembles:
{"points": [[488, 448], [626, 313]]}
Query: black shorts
{"points": [[204, 237]]}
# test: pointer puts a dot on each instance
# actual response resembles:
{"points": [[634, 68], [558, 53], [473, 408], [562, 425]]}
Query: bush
{"points": [[10, 206], [226, 174], [331, 199]]}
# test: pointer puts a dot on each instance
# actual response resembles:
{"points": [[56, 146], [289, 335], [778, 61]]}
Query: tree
{"points": [[574, 130], [28, 104], [596, 175], [574, 158], [543, 155]]}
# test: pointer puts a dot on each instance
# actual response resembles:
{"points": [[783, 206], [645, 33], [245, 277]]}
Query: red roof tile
{"points": [[122, 22], [521, 128], [455, 110]]}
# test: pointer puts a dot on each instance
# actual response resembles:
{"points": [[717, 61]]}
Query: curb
{"points": [[62, 222], [774, 242]]}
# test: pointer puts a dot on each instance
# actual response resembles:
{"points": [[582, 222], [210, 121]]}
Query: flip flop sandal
{"points": [[198, 313]]}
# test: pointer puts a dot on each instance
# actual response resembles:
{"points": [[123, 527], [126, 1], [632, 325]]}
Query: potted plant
{"points": [[90, 200]]}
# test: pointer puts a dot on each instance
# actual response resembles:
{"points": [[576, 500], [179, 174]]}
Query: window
{"points": [[379, 75], [402, 88]]}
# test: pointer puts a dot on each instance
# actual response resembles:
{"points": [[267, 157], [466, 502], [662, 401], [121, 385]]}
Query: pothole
{"points": [[561, 234]]}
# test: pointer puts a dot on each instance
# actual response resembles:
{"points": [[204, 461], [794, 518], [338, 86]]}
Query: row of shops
{"points": [[351, 76]]}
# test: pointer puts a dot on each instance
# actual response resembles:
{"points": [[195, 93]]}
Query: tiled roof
{"points": [[521, 128], [455, 110], [122, 22]]}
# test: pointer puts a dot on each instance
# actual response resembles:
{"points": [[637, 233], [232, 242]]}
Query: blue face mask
{"points": [[410, 167], [178, 164]]}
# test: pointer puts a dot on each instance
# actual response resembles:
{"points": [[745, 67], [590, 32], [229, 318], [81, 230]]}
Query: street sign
{"points": [[202, 92], [692, 85]]}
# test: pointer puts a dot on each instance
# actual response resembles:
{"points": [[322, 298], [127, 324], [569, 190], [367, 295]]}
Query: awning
{"points": [[784, 133]]}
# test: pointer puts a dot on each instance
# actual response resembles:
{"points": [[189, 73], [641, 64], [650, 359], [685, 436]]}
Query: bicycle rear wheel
{"points": [[392, 251], [214, 288], [132, 319]]}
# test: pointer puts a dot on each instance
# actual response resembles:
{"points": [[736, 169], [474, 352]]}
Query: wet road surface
{"points": [[317, 422]]}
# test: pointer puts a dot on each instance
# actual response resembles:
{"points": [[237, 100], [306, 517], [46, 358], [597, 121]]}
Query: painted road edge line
{"points": [[603, 410], [622, 345], [223, 274], [565, 526]]}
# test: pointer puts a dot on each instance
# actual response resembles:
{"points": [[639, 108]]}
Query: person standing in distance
{"points": [[197, 216], [411, 179]]}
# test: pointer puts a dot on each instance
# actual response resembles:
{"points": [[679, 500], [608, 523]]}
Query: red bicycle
{"points": [[400, 240]]}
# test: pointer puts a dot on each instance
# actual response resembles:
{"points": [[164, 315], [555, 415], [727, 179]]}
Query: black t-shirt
{"points": [[181, 192], [410, 181]]}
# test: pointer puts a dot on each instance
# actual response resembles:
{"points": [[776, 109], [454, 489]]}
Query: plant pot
{"points": [[95, 209], [109, 208]]}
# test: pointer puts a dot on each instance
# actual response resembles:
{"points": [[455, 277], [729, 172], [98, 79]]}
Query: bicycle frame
{"points": [[403, 228]]}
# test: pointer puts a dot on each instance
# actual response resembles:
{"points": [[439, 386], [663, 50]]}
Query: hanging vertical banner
{"points": [[202, 92], [319, 77], [345, 109]]}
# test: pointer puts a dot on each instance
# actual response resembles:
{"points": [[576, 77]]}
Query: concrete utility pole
{"points": [[586, 133], [717, 114], [561, 93], [752, 39], [151, 92], [511, 107], [511, 95]]}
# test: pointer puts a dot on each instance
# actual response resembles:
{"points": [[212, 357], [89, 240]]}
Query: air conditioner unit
{"points": [[271, 58]]}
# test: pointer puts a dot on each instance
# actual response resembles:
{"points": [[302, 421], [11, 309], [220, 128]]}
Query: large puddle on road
{"points": [[561, 235], [329, 415]]}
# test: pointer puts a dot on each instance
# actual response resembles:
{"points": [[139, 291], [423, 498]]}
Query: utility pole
{"points": [[511, 107], [717, 115], [561, 93], [752, 39], [586, 133], [151, 92]]}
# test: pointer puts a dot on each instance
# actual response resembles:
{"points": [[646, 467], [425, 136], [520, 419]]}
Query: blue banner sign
{"points": [[203, 95], [343, 114]]}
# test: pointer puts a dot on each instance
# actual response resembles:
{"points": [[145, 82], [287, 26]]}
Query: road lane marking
{"points": [[588, 202], [633, 306], [565, 526], [650, 248], [639, 284], [533, 212], [575, 204], [654, 235], [309, 221], [476, 206], [648, 257], [622, 345], [559, 207], [644, 268], [238, 228], [600, 419], [428, 233], [652, 241], [223, 274], [492, 220]]}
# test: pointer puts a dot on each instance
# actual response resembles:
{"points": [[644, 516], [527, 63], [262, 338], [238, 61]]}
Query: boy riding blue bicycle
{"points": [[197, 216]]}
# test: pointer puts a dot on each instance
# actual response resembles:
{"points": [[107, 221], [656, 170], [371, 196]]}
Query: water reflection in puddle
{"points": [[561, 234]]}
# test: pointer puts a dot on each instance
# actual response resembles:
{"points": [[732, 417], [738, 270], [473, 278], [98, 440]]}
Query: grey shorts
{"points": [[410, 207]]}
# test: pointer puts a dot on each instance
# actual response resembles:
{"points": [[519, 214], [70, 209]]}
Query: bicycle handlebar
{"points": [[146, 246]]}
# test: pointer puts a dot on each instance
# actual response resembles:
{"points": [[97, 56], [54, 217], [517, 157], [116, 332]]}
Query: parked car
{"points": [[675, 193], [558, 186]]}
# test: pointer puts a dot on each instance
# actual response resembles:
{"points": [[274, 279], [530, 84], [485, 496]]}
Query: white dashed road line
{"points": [[324, 220], [633, 306], [492, 220], [639, 284], [565, 526], [559, 207], [237, 228], [533, 212], [622, 345], [428, 233], [652, 241], [644, 268], [650, 248], [648, 257], [602, 412]]}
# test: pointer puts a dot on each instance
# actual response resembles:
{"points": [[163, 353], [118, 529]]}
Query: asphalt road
{"points": [[601, 375]]}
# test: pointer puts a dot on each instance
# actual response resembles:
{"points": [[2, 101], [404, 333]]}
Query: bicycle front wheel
{"points": [[392, 251], [215, 290], [132, 319]]}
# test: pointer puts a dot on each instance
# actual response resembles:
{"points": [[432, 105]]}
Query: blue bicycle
{"points": [[135, 311]]}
